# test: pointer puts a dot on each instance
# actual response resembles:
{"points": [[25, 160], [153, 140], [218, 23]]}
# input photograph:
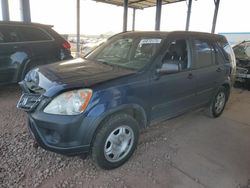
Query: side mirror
{"points": [[168, 68]]}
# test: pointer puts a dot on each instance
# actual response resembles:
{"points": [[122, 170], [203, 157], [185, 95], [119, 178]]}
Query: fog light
{"points": [[53, 137]]}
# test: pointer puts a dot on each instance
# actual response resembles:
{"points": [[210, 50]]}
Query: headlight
{"points": [[70, 103]]}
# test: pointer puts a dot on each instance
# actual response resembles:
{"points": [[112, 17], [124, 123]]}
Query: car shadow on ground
{"points": [[8, 91], [240, 85]]}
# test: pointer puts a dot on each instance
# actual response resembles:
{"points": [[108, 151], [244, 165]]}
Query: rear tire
{"points": [[115, 141], [218, 102]]}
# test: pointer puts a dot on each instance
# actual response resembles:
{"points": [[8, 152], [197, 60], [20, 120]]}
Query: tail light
{"points": [[66, 45]]}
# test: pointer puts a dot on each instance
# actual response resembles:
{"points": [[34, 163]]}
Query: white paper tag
{"points": [[150, 41]]}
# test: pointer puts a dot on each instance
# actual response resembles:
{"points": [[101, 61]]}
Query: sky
{"points": [[98, 18]]}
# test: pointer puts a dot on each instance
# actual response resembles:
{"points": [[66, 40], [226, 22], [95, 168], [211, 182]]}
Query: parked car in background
{"points": [[88, 47], [242, 54], [24, 46], [98, 104]]}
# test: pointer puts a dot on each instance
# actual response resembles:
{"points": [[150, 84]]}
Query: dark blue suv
{"points": [[98, 104]]}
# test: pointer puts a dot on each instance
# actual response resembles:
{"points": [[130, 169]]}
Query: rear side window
{"points": [[204, 53], [227, 51], [9, 34], [33, 34], [13, 34]]}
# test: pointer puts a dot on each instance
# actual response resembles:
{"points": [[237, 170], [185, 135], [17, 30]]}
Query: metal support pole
{"points": [[125, 15], [25, 10], [217, 4], [158, 15], [133, 23], [77, 28], [5, 10], [188, 14]]}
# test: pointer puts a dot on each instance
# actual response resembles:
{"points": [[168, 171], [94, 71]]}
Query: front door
{"points": [[174, 93]]}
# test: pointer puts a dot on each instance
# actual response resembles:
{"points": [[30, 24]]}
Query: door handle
{"points": [[219, 69], [156, 77], [190, 76]]}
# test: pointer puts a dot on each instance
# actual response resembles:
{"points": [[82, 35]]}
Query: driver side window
{"points": [[177, 53]]}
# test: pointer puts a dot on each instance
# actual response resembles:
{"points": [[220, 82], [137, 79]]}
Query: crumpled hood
{"points": [[71, 74]]}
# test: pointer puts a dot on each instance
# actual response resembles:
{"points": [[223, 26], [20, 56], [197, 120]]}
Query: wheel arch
{"points": [[23, 69], [227, 86], [134, 110]]}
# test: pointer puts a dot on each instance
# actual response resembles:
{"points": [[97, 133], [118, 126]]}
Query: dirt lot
{"points": [[190, 151]]}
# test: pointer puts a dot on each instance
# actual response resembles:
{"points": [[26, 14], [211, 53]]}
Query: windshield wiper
{"points": [[107, 63], [114, 65]]}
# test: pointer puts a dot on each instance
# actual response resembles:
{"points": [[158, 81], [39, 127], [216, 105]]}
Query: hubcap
{"points": [[119, 143], [220, 102]]}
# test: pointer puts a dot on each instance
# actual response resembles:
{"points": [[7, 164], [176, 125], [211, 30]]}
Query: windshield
{"points": [[132, 53], [242, 50]]}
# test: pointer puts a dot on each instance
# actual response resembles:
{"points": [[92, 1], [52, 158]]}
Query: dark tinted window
{"points": [[33, 34], [204, 53], [11, 35]]}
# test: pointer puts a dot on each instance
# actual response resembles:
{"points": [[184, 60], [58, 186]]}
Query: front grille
{"points": [[29, 102], [24, 87], [240, 70]]}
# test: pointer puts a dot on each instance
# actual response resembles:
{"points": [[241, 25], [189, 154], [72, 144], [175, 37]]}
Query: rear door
{"points": [[40, 43], [209, 73], [174, 93]]}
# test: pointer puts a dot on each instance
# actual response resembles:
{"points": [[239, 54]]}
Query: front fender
{"points": [[98, 114]]}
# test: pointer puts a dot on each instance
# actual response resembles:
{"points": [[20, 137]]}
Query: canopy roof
{"points": [[138, 4]]}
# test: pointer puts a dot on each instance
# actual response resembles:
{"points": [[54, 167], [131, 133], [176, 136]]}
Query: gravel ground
{"points": [[24, 165]]}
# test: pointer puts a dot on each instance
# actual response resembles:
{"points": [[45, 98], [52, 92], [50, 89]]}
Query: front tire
{"points": [[115, 141], [218, 102]]}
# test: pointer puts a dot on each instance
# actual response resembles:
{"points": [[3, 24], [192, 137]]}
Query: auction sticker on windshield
{"points": [[150, 41]]}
